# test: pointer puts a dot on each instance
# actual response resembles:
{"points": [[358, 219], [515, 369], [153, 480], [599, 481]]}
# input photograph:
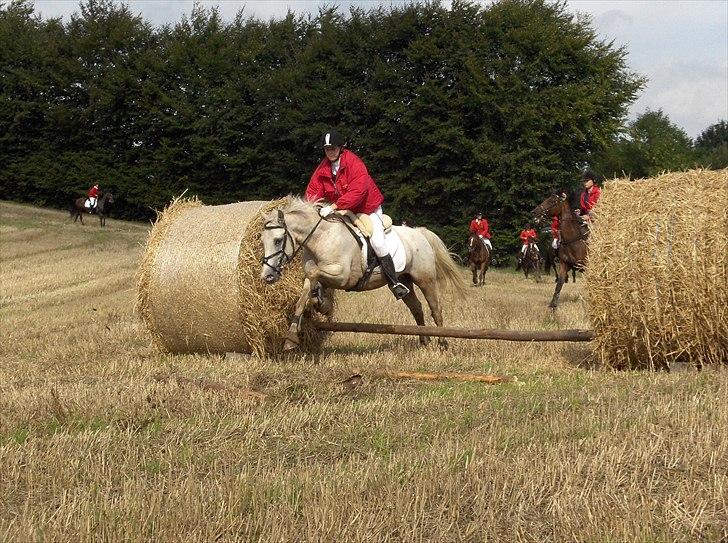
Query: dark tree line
{"points": [[453, 110]]}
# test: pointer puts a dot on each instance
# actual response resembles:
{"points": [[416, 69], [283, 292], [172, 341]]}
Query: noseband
{"points": [[284, 258]]}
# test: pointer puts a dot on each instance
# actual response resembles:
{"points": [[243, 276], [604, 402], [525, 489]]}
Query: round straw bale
{"points": [[199, 287], [657, 274]]}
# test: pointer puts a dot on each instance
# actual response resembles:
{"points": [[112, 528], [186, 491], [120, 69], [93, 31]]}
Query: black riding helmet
{"points": [[332, 138]]}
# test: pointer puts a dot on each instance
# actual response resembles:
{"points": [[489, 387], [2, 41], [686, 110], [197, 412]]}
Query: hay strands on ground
{"points": [[205, 384]]}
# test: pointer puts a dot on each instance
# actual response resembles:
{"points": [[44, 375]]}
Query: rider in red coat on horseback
{"points": [[93, 195], [589, 197], [555, 232], [479, 227], [342, 179], [528, 236], [587, 201]]}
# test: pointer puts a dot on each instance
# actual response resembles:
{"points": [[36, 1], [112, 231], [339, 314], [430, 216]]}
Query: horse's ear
{"points": [[280, 216]]}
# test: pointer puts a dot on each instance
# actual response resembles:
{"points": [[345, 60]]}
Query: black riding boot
{"points": [[398, 289]]}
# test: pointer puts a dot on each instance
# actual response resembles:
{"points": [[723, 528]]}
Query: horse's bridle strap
{"points": [[279, 268]]}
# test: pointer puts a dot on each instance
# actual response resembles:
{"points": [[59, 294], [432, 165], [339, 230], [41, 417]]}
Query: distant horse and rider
{"points": [[480, 248], [479, 257], [529, 259], [574, 219], [97, 202]]}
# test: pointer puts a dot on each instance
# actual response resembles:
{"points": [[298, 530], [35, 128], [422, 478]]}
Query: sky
{"points": [[681, 46]]}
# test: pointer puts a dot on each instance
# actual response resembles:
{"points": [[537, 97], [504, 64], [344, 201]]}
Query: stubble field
{"points": [[104, 438]]}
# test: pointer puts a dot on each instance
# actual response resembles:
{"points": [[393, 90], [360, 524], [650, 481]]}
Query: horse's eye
{"points": [[278, 241]]}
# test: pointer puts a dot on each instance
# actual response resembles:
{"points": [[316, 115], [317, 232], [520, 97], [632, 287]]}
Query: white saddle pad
{"points": [[394, 246]]}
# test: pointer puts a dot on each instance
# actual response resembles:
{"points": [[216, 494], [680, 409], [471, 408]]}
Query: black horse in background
{"points": [[103, 205]]}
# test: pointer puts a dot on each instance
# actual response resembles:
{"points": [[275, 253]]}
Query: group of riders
{"points": [[588, 199], [342, 179]]}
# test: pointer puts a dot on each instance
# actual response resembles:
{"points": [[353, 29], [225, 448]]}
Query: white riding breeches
{"points": [[487, 242], [523, 249], [555, 243], [377, 237], [91, 201]]}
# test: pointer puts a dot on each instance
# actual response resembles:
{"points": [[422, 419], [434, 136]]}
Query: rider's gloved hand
{"points": [[326, 211]]}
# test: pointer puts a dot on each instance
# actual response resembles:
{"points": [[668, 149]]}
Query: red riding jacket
{"points": [[353, 188], [589, 199], [527, 236], [480, 228], [555, 222], [93, 192]]}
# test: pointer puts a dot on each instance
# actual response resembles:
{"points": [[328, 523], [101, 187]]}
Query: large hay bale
{"points": [[199, 288], [657, 275]]}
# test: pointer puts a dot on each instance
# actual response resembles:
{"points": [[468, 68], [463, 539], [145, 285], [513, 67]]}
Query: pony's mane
{"points": [[299, 205]]}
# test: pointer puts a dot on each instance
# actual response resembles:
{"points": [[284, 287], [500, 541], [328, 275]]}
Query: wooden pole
{"points": [[465, 333]]}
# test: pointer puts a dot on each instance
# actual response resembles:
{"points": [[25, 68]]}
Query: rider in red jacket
{"points": [[590, 196], [342, 179], [528, 236], [345, 182], [93, 194], [555, 232], [479, 227]]}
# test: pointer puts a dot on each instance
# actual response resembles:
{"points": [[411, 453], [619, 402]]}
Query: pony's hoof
{"points": [[291, 343], [424, 341], [443, 345]]}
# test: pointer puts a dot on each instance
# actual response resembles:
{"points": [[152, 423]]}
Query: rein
{"points": [[285, 259]]}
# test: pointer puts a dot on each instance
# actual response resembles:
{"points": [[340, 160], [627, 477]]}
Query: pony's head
{"points": [[277, 246], [280, 229]]}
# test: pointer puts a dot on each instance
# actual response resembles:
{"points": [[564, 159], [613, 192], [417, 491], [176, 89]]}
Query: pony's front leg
{"points": [[292, 341]]}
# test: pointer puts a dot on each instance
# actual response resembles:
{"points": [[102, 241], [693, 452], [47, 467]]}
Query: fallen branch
{"points": [[443, 376]]}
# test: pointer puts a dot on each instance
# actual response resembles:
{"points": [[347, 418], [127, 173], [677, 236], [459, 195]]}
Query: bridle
{"points": [[284, 259], [542, 215]]}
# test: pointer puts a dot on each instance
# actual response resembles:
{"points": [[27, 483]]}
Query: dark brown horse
{"points": [[573, 248], [531, 262], [478, 258], [551, 262], [103, 204]]}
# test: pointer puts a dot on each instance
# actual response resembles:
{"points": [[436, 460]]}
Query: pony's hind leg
{"points": [[432, 295], [415, 306]]}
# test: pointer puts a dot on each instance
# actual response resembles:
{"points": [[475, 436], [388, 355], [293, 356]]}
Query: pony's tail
{"points": [[449, 276]]}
